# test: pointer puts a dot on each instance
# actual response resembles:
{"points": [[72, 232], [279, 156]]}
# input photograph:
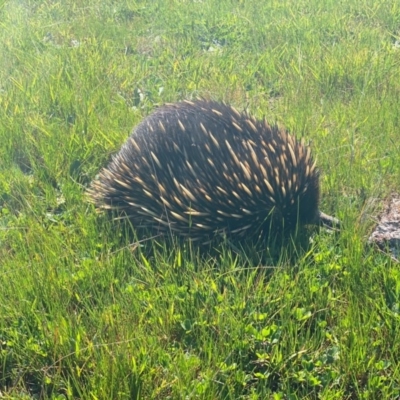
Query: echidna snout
{"points": [[199, 169]]}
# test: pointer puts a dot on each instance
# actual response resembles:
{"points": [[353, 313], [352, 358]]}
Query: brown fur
{"points": [[199, 169]]}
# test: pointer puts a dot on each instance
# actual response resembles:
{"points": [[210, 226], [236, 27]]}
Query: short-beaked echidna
{"points": [[201, 168]]}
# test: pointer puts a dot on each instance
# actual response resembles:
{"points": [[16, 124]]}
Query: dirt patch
{"points": [[386, 234]]}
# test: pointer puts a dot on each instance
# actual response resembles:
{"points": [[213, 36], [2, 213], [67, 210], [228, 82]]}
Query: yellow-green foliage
{"points": [[85, 312]]}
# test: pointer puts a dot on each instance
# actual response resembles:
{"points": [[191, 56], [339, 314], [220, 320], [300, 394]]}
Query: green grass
{"points": [[86, 314]]}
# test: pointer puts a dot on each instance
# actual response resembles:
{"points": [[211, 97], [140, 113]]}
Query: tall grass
{"points": [[86, 314]]}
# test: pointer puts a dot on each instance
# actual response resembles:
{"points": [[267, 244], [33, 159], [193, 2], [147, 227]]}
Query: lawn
{"points": [[88, 313]]}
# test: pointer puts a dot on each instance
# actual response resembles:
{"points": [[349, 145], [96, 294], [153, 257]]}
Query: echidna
{"points": [[201, 168]]}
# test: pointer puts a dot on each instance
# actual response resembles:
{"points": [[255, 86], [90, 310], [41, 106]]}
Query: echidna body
{"points": [[200, 169]]}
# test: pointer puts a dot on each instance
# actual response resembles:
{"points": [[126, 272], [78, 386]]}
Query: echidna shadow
{"points": [[200, 169]]}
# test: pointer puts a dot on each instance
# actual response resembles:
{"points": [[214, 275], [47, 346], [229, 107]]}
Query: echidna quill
{"points": [[199, 169]]}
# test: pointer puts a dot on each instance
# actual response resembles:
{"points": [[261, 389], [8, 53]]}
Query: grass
{"points": [[84, 313]]}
